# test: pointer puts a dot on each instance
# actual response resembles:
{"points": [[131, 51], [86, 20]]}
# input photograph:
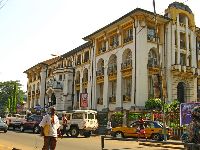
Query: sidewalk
{"points": [[171, 144]]}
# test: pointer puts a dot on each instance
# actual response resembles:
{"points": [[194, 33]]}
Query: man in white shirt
{"points": [[50, 130]]}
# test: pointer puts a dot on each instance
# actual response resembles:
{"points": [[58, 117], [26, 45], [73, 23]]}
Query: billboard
{"points": [[185, 112], [84, 100]]}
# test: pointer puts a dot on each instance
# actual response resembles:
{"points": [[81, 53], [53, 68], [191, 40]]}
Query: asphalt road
{"points": [[30, 141]]}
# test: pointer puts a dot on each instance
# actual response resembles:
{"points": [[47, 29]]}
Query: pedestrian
{"points": [[50, 130], [64, 124], [141, 129], [108, 128]]}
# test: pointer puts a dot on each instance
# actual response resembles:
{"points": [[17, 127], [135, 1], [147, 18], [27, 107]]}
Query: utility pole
{"points": [[161, 74]]}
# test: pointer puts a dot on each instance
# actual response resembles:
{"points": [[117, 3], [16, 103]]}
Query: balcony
{"points": [[112, 99], [126, 68], [78, 62], [102, 50], [77, 82], [100, 101], [114, 44], [84, 82], [29, 94], [152, 66], [197, 71], [100, 75], [126, 98], [37, 92], [33, 92], [128, 39], [112, 72], [182, 24]]}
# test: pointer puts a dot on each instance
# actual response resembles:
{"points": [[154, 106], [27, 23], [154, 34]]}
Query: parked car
{"points": [[31, 123], [81, 122], [153, 129], [15, 120], [3, 126]]}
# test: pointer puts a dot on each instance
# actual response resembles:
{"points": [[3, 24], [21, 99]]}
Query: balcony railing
{"points": [[100, 101], [126, 98], [152, 62], [102, 49], [37, 91], [128, 39], [112, 99], [77, 81], [112, 70], [114, 44], [126, 64], [100, 72]]}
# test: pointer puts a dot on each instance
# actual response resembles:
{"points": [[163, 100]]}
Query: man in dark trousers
{"points": [[50, 130]]}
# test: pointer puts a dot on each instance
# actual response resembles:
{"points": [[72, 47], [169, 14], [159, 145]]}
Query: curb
{"points": [[164, 145]]}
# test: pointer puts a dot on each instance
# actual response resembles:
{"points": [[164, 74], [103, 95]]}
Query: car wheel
{"points": [[74, 131], [22, 128], [5, 131], [36, 129], [87, 134], [156, 137], [119, 134]]}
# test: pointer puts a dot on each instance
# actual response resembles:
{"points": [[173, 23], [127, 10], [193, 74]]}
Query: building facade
{"points": [[138, 56]]}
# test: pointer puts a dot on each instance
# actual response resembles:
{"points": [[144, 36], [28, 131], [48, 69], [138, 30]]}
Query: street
{"points": [[30, 141]]}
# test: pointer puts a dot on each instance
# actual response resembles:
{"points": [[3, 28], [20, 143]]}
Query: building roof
{"points": [[180, 6], [137, 10], [76, 50], [46, 62]]}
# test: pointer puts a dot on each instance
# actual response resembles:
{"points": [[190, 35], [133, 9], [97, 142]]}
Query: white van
{"points": [[81, 122]]}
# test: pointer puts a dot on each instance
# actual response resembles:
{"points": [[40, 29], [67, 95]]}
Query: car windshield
{"points": [[90, 116]]}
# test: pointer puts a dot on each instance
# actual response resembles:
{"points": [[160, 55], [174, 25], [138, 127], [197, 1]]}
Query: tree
{"points": [[10, 95], [154, 104]]}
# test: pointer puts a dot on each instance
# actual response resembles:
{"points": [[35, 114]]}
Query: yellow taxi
{"points": [[153, 130]]}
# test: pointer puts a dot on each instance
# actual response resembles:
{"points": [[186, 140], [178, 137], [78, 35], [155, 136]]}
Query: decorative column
{"points": [[178, 40], [43, 75]]}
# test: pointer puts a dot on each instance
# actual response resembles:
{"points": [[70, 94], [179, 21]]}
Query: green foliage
{"points": [[10, 95], [153, 104]]}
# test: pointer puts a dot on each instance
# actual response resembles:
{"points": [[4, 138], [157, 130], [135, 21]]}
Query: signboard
{"points": [[84, 99], [185, 112]]}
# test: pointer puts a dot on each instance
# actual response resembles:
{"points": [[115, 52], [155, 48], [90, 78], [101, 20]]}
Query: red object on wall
{"points": [[84, 99]]}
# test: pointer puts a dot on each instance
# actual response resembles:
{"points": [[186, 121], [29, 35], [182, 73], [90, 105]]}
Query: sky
{"points": [[32, 30]]}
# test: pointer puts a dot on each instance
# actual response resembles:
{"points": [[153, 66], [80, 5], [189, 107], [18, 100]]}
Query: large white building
{"points": [[124, 64]]}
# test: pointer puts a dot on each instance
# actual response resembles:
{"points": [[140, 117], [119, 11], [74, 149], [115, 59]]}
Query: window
{"points": [[79, 60], [151, 34], [90, 116], [182, 59], [128, 35], [60, 77], [114, 41], [102, 46], [175, 35], [198, 45], [77, 116], [86, 56]]}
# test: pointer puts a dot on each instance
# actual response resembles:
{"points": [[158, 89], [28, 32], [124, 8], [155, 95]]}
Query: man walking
{"points": [[50, 130]]}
